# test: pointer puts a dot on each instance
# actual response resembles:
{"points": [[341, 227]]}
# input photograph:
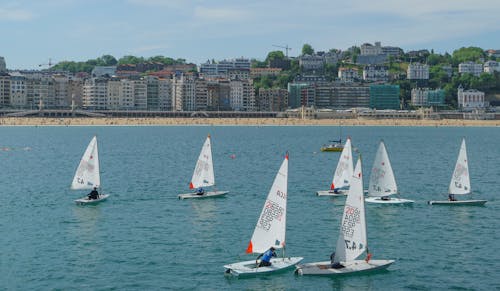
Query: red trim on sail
{"points": [[286, 156], [191, 186], [332, 186], [249, 248]]}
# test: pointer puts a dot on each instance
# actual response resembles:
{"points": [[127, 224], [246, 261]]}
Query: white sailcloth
{"points": [[203, 175], [87, 174], [382, 180], [352, 240], [460, 180], [344, 169], [271, 226]]}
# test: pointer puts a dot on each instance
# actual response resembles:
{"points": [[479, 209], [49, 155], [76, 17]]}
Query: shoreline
{"points": [[163, 121]]}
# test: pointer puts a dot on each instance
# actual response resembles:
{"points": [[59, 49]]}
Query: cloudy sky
{"points": [[33, 31]]}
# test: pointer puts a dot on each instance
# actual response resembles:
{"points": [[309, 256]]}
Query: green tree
{"points": [[466, 54], [274, 55], [307, 49]]}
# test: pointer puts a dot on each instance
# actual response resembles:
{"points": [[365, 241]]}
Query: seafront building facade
{"points": [[470, 99], [417, 71], [425, 97], [470, 68]]}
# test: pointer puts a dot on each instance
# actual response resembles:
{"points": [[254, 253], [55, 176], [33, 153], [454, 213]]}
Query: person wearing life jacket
{"points": [[200, 191], [266, 257]]}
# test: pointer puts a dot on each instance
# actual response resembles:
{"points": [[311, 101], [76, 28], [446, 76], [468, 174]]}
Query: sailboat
{"points": [[335, 145], [269, 231], [342, 174], [460, 182], [352, 240], [87, 174], [382, 181], [203, 175]]}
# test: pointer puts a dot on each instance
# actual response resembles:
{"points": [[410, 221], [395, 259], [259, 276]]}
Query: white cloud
{"points": [[15, 15]]}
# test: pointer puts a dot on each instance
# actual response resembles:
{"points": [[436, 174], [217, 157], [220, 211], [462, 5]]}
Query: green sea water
{"points": [[144, 238]]}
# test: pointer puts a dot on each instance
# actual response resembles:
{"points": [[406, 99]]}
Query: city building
{"points": [[373, 73], [220, 69], [95, 93], [470, 99], [425, 97], [491, 67], [165, 94], [272, 99], [470, 68], [4, 89], [295, 94], [368, 49], [18, 91], [417, 71], [311, 62], [348, 74], [392, 51], [218, 95], [103, 71], [493, 53], [260, 72], [3, 66], [448, 69], [384, 97], [242, 95]]}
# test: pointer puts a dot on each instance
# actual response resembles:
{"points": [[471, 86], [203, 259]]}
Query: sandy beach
{"points": [[44, 121]]}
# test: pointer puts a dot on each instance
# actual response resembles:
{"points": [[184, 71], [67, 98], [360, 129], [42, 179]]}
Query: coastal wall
{"points": [[81, 121]]}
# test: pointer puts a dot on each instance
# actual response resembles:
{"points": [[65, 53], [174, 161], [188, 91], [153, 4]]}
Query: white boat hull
{"points": [[356, 266], [391, 200], [87, 201], [459, 202], [249, 268], [339, 193], [207, 194]]}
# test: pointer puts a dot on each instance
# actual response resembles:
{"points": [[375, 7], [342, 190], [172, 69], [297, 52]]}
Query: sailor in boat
{"points": [[200, 191], [93, 194], [451, 197], [266, 257], [385, 198], [335, 265]]}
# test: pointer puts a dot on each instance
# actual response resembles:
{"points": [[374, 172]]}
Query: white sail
{"points": [[382, 181], [343, 172], [460, 180], [87, 174], [203, 175], [271, 226], [352, 239]]}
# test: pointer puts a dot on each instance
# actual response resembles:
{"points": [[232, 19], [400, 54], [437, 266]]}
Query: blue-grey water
{"points": [[144, 238]]}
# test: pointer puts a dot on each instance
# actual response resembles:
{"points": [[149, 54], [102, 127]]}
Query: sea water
{"points": [[143, 237]]}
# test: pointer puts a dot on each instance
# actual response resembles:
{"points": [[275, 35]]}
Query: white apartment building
{"points": [[184, 93], [368, 49], [220, 69], [392, 51], [348, 74], [95, 93], [376, 73], [314, 62], [417, 71], [470, 99], [242, 95], [471, 68], [491, 67], [140, 94]]}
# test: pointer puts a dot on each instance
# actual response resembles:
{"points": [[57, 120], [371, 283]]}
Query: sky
{"points": [[34, 31]]}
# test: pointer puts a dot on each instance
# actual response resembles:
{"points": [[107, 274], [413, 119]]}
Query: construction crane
{"points": [[284, 47], [48, 65]]}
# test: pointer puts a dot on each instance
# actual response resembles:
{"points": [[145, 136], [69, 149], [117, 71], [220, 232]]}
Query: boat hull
{"points": [[87, 201], [208, 194], [459, 202], [332, 149], [248, 268], [356, 266], [340, 193], [379, 200]]}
